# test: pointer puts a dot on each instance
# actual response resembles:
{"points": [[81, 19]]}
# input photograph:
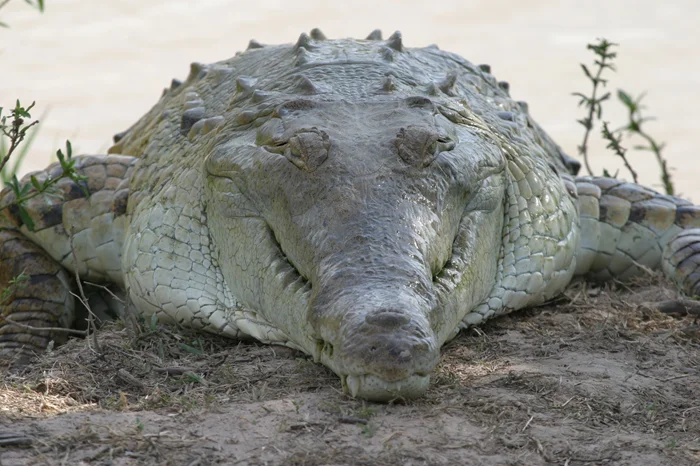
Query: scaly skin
{"points": [[354, 199]]}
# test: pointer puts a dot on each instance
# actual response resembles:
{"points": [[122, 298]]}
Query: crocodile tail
{"points": [[75, 226], [626, 227], [36, 297]]}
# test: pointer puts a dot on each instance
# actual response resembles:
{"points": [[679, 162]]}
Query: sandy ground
{"points": [[598, 378]]}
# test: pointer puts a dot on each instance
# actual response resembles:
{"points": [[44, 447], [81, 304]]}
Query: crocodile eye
{"points": [[420, 145], [307, 149], [441, 144]]}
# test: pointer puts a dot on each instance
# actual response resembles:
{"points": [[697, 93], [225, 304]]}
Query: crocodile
{"points": [[357, 200]]}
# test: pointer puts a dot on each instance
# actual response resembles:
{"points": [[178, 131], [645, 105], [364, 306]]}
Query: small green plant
{"points": [[15, 128], [614, 139], [297, 405], [634, 128], [593, 103], [19, 155], [12, 286], [365, 412], [369, 429], [24, 192], [190, 349], [603, 50]]}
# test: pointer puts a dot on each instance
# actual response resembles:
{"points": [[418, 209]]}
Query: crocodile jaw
{"points": [[373, 388]]}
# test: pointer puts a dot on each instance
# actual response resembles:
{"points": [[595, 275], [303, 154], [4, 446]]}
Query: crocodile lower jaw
{"points": [[373, 388]]}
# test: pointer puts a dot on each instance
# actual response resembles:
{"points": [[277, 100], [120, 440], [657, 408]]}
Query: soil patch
{"points": [[600, 377]]}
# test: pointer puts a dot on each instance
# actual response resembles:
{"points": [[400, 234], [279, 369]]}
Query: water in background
{"points": [[96, 67]]}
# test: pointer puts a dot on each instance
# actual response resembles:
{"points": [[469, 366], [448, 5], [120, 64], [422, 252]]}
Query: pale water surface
{"points": [[96, 66]]}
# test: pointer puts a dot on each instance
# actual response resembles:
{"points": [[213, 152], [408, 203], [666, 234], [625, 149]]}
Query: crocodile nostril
{"points": [[389, 319]]}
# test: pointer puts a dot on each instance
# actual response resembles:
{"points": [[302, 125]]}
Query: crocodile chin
{"points": [[373, 388]]}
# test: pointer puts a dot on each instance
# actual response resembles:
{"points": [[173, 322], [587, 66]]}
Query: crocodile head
{"points": [[364, 231]]}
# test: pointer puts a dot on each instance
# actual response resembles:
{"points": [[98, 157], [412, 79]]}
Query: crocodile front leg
{"points": [[625, 225], [70, 229]]}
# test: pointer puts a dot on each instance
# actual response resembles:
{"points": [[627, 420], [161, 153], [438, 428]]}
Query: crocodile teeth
{"points": [[316, 350], [353, 383]]}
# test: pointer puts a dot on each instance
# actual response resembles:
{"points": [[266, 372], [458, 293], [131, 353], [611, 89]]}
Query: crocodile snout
{"points": [[389, 344], [385, 353]]}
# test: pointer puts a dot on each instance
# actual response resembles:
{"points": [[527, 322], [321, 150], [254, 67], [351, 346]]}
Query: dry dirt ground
{"points": [[597, 378]]}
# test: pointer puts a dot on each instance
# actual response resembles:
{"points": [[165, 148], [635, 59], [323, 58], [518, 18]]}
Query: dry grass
{"points": [[600, 377]]}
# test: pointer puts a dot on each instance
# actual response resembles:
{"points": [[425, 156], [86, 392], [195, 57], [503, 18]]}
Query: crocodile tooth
{"points": [[395, 41], [485, 68], [375, 35], [316, 350], [304, 42], [316, 34], [353, 383], [504, 85], [254, 44]]}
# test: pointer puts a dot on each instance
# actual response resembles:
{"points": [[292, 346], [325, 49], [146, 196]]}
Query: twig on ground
{"points": [[80, 333], [83, 299]]}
